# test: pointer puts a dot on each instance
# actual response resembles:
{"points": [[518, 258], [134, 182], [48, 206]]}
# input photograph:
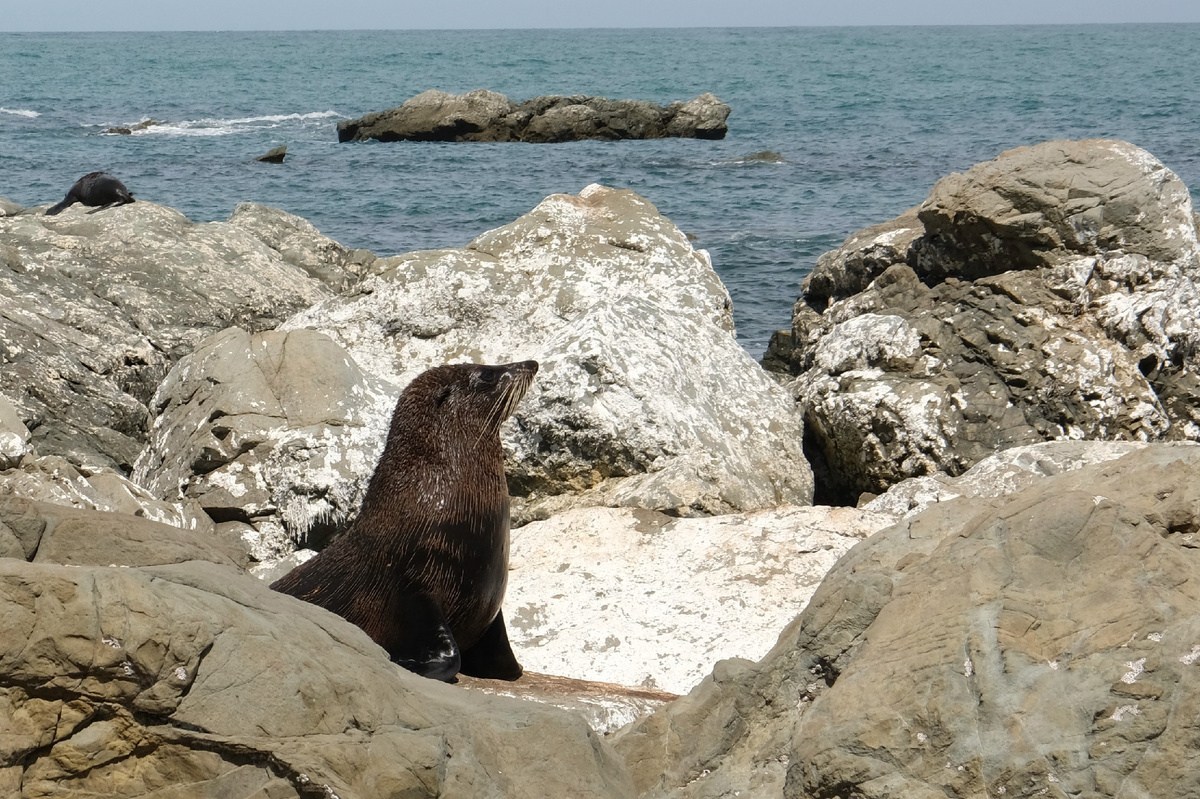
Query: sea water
{"points": [[865, 120]]}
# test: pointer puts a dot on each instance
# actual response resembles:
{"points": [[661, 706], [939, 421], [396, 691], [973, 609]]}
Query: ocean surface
{"points": [[867, 119]]}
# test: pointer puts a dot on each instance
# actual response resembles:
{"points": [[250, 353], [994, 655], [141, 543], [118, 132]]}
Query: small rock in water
{"points": [[123, 131], [274, 156]]}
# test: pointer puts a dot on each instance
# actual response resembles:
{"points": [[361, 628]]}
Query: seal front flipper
{"points": [[421, 640], [492, 657]]}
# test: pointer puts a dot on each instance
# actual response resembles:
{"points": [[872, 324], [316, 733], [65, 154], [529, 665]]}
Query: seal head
{"points": [[424, 567], [97, 189]]}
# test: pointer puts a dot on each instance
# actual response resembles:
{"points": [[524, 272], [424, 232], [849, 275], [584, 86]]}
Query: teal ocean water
{"points": [[866, 118]]}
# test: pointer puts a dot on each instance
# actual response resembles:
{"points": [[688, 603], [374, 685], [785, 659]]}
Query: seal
{"points": [[98, 189], [424, 567]]}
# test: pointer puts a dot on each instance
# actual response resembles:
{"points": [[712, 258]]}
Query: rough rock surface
{"points": [[277, 430], [638, 598], [599, 288], [195, 680], [483, 115], [98, 306], [9, 208], [1048, 294], [1041, 644], [1004, 473], [53, 533]]}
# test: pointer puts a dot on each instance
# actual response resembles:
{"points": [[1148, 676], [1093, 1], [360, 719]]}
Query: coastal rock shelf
{"points": [[483, 115]]}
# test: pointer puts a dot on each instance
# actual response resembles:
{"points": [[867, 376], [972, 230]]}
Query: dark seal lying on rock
{"points": [[96, 189], [483, 115], [423, 568]]}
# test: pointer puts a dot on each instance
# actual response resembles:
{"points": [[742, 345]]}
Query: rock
{"points": [[53, 479], [598, 288], [300, 244], [1001, 474], [1048, 294], [605, 707], [277, 430], [273, 156], [102, 304], [14, 435], [638, 598], [192, 679], [1044, 641], [52, 533], [483, 115], [125, 131], [9, 208]]}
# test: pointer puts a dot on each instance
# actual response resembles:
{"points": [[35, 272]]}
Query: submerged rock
{"points": [[483, 115], [1048, 294]]}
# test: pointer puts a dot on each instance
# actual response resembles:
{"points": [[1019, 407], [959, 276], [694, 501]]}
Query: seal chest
{"points": [[424, 567]]}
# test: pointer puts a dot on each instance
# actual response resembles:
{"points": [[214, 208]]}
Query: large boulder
{"points": [[1043, 643], [635, 597], [274, 431], [1048, 294], [195, 680], [643, 399], [100, 304], [483, 115]]}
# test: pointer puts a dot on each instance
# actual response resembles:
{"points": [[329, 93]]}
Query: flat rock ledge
{"points": [[483, 115]]}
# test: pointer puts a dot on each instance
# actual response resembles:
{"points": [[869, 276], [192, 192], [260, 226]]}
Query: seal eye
{"points": [[488, 377]]}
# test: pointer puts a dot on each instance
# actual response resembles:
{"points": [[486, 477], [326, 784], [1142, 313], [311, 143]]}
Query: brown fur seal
{"points": [[423, 568], [98, 189]]}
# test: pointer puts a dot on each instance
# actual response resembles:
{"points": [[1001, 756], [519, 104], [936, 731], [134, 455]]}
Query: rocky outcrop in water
{"points": [[483, 115], [1048, 294]]}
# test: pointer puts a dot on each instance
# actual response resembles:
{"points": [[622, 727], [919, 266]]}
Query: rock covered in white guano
{"points": [[1048, 294], [1001, 474], [1044, 643], [643, 399], [278, 430], [100, 304], [194, 679], [14, 435], [636, 597]]}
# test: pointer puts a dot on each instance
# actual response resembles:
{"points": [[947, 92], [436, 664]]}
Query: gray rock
{"points": [[9, 208], [274, 156], [72, 536], [195, 680], [14, 435], [1049, 294], [52, 479], [1039, 644], [269, 430], [102, 304], [599, 288], [483, 115]]}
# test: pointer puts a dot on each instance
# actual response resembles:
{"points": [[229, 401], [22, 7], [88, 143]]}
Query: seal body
{"points": [[424, 567], [97, 189]]}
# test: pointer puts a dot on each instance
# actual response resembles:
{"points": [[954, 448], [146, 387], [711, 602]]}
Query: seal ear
{"points": [[443, 394]]}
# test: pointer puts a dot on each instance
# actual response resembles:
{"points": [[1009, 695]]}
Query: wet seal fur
{"points": [[98, 189], [424, 567]]}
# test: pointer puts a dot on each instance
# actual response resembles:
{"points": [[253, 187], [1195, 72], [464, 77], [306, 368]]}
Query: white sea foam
{"points": [[20, 112], [226, 127]]}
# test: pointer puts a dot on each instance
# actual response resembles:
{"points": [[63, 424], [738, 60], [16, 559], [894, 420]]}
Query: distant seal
{"points": [[97, 189], [423, 568]]}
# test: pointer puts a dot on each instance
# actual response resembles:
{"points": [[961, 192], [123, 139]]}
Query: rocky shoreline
{"points": [[994, 595]]}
